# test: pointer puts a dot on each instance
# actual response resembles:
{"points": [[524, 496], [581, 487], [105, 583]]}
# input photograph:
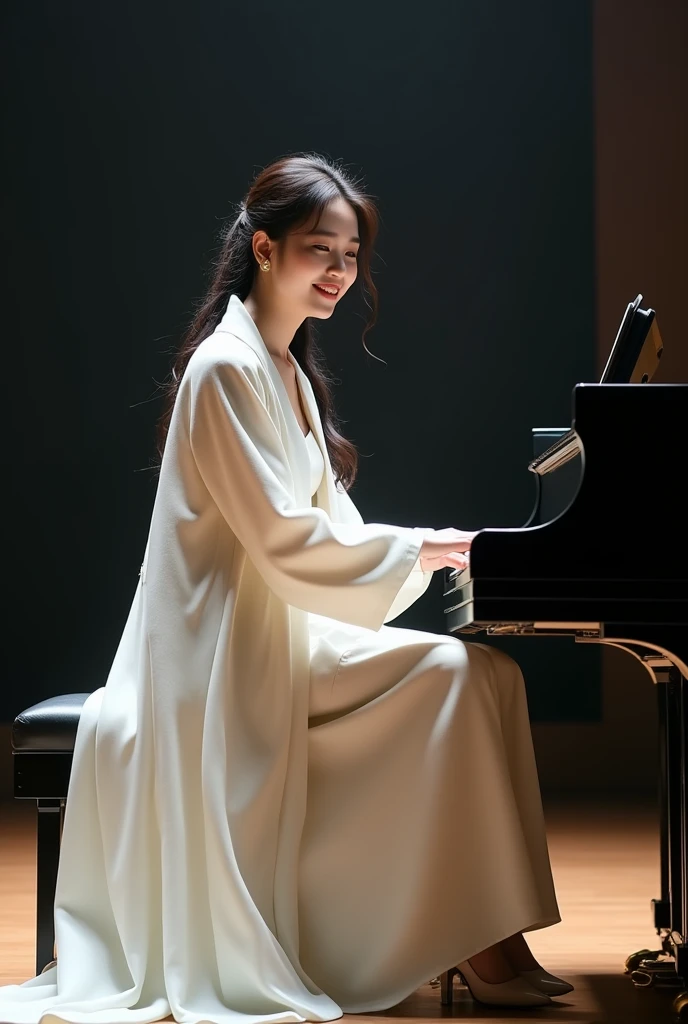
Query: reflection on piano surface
{"points": [[610, 568]]}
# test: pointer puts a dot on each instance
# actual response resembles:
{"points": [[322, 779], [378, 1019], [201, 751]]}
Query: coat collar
{"points": [[238, 321]]}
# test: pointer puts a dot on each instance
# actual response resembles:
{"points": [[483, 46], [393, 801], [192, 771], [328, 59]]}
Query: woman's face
{"points": [[325, 256]]}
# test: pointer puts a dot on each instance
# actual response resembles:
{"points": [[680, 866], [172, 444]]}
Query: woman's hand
{"points": [[446, 549]]}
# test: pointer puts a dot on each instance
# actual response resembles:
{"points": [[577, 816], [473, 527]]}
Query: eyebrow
{"points": [[333, 234]]}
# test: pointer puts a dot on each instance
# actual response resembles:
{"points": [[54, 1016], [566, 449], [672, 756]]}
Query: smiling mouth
{"points": [[327, 294]]}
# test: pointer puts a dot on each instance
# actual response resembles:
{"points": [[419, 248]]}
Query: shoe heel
{"points": [[447, 986]]}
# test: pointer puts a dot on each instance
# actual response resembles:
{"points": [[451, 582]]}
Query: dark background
{"points": [[130, 134]]}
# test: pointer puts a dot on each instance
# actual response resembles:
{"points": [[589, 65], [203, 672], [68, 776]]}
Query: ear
{"points": [[261, 246]]}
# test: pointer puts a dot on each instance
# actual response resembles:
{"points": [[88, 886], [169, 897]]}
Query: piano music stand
{"points": [[637, 347]]}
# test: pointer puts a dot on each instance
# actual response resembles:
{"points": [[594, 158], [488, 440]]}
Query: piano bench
{"points": [[42, 749]]}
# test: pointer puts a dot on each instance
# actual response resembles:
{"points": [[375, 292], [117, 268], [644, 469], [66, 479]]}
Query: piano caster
{"points": [[680, 1006], [652, 972], [634, 960]]}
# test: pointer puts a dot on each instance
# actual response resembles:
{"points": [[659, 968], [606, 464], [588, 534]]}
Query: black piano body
{"points": [[610, 568]]}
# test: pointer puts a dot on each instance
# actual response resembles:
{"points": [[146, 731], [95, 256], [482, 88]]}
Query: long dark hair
{"points": [[284, 196]]}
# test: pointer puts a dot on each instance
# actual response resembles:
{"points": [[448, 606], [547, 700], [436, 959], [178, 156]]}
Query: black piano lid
{"points": [[626, 520], [633, 359]]}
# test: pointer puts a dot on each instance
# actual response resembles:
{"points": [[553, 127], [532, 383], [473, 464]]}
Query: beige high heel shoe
{"points": [[546, 982], [515, 992]]}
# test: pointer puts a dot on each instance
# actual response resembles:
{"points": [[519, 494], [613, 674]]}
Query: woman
{"points": [[280, 807]]}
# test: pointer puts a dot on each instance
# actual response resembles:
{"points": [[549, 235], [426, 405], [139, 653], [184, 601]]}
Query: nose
{"points": [[338, 265]]}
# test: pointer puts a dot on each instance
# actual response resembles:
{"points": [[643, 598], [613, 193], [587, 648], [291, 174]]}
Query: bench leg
{"points": [[49, 830]]}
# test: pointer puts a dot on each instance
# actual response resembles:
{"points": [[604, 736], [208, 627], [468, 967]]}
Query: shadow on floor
{"points": [[596, 999]]}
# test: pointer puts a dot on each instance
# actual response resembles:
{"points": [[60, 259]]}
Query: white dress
{"points": [[218, 868]]}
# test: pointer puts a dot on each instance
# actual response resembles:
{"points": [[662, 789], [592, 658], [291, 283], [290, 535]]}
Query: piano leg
{"points": [[664, 653], [647, 967], [669, 670], [676, 735], [679, 941], [645, 964], [661, 908]]}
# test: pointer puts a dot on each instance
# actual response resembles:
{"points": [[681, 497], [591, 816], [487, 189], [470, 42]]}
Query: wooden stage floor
{"points": [[605, 860]]}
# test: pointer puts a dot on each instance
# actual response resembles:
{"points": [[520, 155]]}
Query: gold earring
{"points": [[265, 265]]}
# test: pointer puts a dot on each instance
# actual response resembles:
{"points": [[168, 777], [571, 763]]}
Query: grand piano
{"points": [[609, 567]]}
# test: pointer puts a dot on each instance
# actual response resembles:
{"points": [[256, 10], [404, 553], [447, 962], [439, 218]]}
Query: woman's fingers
{"points": [[450, 560], [456, 560]]}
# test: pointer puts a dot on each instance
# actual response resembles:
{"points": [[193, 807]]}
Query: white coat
{"points": [[280, 807]]}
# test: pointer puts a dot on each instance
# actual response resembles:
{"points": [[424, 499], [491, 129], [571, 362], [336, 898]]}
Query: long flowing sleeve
{"points": [[417, 581], [351, 571]]}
